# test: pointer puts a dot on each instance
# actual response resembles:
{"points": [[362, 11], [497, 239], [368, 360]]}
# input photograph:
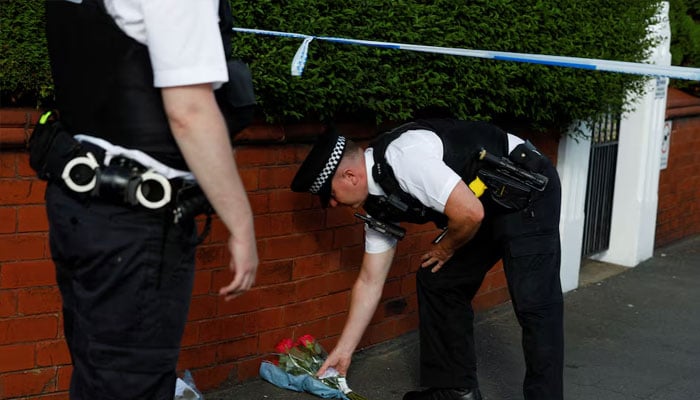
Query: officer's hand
{"points": [[337, 361], [436, 258], [243, 264]]}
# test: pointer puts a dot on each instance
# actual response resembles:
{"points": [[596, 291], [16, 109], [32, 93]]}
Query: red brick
{"points": [[273, 225], [312, 287], [340, 216], [340, 280], [213, 377], [16, 357], [248, 369], [218, 232], [380, 332], [202, 307], [7, 164], [348, 236], [197, 357], [274, 272], [210, 330], [191, 335], [277, 295], [211, 256], [493, 281], [297, 245], [236, 349], [38, 300], [316, 264], [250, 178], [287, 155], [19, 116], [238, 325], [490, 299], [276, 177], [27, 383], [26, 273], [313, 220], [13, 135], [392, 290], [8, 220], [8, 303], [202, 282], [261, 132], [32, 219], [24, 170], [15, 191], [51, 353], [272, 318], [335, 324], [259, 202], [249, 301], [351, 257], [23, 330], [286, 200], [63, 377], [256, 156]]}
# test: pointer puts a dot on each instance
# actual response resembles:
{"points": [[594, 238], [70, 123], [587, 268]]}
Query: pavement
{"points": [[631, 334]]}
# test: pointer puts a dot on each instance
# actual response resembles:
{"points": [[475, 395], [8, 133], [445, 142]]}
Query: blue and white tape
{"points": [[675, 72]]}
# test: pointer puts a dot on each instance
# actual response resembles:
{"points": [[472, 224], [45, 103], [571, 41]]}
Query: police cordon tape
{"points": [[299, 60]]}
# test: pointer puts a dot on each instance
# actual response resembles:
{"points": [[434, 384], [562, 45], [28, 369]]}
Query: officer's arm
{"points": [[365, 297], [201, 134], [464, 212]]}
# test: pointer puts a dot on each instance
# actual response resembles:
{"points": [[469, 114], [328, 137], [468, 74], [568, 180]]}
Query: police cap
{"points": [[317, 170]]}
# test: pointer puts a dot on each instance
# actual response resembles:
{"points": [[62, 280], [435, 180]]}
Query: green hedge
{"points": [[685, 39], [355, 82], [394, 84]]}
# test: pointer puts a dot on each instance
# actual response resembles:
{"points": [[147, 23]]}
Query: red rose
{"points": [[284, 346], [306, 341]]}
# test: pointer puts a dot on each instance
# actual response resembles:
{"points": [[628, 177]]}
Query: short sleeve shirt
{"points": [[183, 38], [416, 159]]}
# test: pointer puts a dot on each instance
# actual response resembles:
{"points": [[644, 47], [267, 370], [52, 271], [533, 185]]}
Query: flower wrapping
{"points": [[296, 366]]}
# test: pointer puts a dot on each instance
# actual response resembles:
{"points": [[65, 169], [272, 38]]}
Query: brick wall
{"points": [[309, 260], [678, 212]]}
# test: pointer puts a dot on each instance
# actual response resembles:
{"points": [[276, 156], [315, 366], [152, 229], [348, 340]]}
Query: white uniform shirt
{"points": [[416, 158], [183, 38]]}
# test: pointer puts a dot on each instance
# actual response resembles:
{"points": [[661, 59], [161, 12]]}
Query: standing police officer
{"points": [[426, 171], [135, 88]]}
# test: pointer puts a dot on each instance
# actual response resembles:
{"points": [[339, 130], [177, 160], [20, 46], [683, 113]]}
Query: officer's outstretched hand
{"points": [[243, 264], [437, 257], [336, 360]]}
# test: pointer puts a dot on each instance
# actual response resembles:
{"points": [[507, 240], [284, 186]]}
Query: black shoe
{"points": [[444, 394]]}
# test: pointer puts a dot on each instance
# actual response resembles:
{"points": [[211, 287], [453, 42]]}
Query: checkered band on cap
{"points": [[329, 168]]}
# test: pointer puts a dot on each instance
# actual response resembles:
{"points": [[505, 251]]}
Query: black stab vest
{"points": [[104, 80], [461, 142]]}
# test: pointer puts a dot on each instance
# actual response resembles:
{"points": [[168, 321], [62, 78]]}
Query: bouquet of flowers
{"points": [[299, 361]]}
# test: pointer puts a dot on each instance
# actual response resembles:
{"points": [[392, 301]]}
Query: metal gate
{"points": [[601, 185]]}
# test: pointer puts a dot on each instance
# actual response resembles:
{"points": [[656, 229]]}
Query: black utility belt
{"points": [[80, 168], [122, 180]]}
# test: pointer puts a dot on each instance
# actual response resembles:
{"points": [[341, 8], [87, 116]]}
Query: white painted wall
{"points": [[639, 156], [572, 165], [636, 181]]}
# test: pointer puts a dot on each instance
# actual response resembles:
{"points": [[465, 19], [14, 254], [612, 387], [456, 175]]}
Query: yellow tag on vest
{"points": [[477, 186]]}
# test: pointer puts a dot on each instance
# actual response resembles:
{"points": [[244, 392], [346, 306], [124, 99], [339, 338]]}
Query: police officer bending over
{"points": [[433, 171], [139, 120]]}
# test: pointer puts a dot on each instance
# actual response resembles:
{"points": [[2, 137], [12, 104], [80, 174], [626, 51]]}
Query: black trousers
{"points": [[528, 242], [125, 278]]}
